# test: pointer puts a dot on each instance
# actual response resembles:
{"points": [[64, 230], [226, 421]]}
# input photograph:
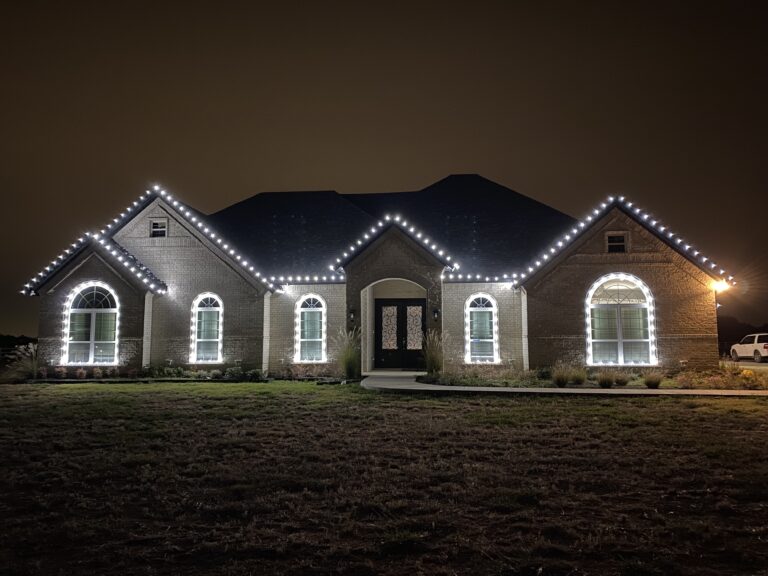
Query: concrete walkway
{"points": [[407, 384]]}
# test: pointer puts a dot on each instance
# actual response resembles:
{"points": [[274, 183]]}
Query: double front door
{"points": [[399, 329]]}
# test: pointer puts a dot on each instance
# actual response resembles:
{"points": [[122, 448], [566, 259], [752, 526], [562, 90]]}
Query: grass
{"points": [[287, 478]]}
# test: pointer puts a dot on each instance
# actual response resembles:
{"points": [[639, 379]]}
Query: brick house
{"points": [[267, 283]]}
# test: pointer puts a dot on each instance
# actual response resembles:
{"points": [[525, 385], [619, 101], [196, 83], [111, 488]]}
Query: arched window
{"points": [[310, 337], [205, 329], [91, 321], [620, 321], [481, 330]]}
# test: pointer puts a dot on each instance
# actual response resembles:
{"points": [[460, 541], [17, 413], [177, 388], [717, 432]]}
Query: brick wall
{"points": [[89, 265], [686, 323], [509, 302], [190, 265], [282, 323]]}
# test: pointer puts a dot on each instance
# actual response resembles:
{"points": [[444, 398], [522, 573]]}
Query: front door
{"points": [[400, 325]]}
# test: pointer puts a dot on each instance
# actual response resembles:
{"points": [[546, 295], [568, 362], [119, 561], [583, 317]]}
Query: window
{"points": [[762, 339], [310, 329], [481, 330], [620, 322], [158, 228], [205, 330], [91, 325], [616, 242], [748, 339]]}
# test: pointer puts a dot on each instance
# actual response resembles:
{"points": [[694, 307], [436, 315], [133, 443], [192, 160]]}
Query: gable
{"points": [[393, 249]]}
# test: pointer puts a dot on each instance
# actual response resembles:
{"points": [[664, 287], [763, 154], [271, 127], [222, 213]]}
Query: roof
{"points": [[480, 231], [485, 226]]}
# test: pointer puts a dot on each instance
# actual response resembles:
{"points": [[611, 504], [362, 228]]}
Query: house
{"points": [[268, 282]]}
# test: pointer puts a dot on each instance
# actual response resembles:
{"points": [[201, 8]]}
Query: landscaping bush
{"points": [[561, 375], [253, 375], [217, 374], [605, 379], [579, 376], [235, 373], [22, 363], [652, 379], [348, 345], [434, 343], [81, 374], [98, 372], [42, 373], [60, 372], [622, 378]]}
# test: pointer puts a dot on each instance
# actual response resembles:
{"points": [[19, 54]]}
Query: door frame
{"points": [[402, 304]]}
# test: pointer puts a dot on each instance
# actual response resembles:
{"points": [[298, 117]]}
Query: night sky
{"points": [[566, 103]]}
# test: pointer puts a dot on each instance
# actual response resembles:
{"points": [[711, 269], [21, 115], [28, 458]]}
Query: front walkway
{"points": [[408, 384]]}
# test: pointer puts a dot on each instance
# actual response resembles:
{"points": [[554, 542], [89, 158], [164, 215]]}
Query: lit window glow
{"points": [[310, 330], [205, 329], [91, 325], [481, 330], [620, 322]]}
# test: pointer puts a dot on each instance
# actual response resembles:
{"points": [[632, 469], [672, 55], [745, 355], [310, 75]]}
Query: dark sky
{"points": [[564, 102]]}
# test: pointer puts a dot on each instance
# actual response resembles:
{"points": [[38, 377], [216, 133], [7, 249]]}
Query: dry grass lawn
{"points": [[287, 478]]}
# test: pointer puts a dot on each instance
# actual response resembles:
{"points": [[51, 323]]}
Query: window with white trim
{"points": [[310, 329], [158, 227], [481, 330], [620, 322], [91, 325], [206, 329]]}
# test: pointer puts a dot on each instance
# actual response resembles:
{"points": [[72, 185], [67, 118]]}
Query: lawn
{"points": [[287, 478]]}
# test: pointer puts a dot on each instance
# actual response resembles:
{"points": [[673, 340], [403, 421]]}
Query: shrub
{"points": [[605, 379], [652, 379], [621, 378], [97, 372], [133, 373], [434, 345], [22, 362], [60, 372], [348, 345], [579, 376], [253, 375], [42, 373], [216, 374], [81, 374], [561, 375], [235, 373]]}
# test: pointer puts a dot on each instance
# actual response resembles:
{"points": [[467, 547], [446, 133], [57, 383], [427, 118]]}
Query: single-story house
{"points": [[269, 282]]}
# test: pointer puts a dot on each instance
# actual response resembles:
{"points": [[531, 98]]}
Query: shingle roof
{"points": [[485, 226]]}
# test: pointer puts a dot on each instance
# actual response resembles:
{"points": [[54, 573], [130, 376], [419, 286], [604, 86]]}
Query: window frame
{"points": [[653, 359], [297, 339], [92, 313], [624, 234], [164, 222], [194, 340], [468, 310]]}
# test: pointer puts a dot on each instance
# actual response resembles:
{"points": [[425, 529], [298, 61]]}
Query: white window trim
{"points": [[467, 337], [297, 330], [163, 221], [65, 329], [193, 329], [653, 352]]}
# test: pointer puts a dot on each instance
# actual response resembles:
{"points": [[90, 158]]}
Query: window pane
{"points": [[103, 352], [604, 323], [207, 351], [79, 353], [79, 327], [638, 352], [208, 325], [312, 351], [413, 328], [311, 324], [105, 327], [605, 352], [481, 324], [389, 327], [481, 351], [762, 339], [634, 323]]}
